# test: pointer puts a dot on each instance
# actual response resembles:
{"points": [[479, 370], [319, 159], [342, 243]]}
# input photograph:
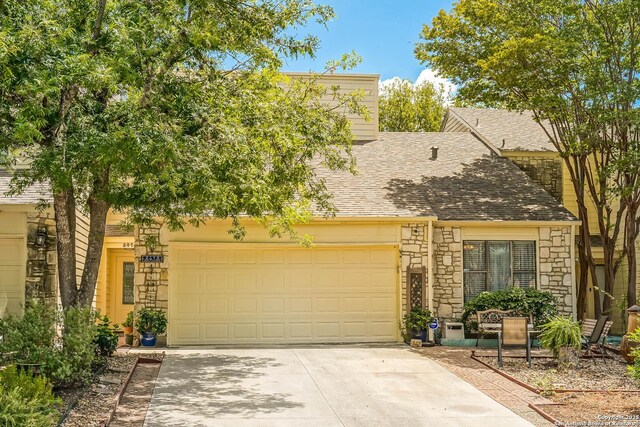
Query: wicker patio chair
{"points": [[514, 332]]}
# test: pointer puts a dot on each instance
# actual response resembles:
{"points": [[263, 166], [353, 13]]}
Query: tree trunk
{"points": [[65, 214], [98, 210], [631, 235], [583, 283]]}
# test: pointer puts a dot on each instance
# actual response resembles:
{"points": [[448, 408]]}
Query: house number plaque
{"points": [[151, 258]]}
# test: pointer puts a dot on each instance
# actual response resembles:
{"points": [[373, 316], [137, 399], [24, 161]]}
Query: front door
{"points": [[121, 274]]}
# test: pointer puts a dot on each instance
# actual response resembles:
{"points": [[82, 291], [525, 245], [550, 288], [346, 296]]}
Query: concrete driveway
{"points": [[317, 386]]}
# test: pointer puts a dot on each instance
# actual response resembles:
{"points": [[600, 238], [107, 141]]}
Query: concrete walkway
{"points": [[317, 386]]}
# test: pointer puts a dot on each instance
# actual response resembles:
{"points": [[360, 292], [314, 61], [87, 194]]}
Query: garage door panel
{"points": [[245, 331], [188, 256], [274, 331], [328, 330], [216, 305], [300, 305], [216, 256], [245, 305], [273, 305], [249, 295], [270, 257], [272, 281], [216, 332]]}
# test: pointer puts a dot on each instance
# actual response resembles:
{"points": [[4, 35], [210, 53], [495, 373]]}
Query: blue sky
{"points": [[382, 32]]}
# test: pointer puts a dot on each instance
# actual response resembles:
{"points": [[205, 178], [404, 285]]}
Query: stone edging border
{"points": [[118, 396]]}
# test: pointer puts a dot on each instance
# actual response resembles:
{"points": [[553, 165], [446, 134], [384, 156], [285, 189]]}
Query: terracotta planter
{"points": [[128, 330]]}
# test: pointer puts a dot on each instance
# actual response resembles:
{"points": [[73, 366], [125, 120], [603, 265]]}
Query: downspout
{"points": [[573, 272], [430, 271]]}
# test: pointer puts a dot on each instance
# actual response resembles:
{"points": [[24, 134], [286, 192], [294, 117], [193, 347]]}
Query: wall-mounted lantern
{"points": [[41, 237]]}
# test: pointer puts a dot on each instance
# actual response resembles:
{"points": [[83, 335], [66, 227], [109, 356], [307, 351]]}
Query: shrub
{"points": [[65, 359], [561, 335], [26, 400], [542, 304], [106, 337], [31, 337], [77, 353], [151, 320], [634, 370]]}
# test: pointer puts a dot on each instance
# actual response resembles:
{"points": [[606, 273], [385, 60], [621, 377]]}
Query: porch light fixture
{"points": [[41, 237]]}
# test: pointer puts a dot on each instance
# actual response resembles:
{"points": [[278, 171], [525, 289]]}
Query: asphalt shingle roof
{"points": [[31, 196], [398, 178], [506, 130]]}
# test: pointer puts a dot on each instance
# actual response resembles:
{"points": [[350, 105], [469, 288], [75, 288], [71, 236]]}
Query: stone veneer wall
{"points": [[413, 253], [40, 276], [151, 279], [546, 171], [447, 277], [555, 265]]}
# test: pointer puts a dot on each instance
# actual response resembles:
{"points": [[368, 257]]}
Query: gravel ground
{"points": [[601, 375], [597, 408], [93, 406]]}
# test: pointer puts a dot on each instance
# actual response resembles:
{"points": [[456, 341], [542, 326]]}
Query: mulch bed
{"points": [[610, 396], [96, 401], [544, 374], [607, 408]]}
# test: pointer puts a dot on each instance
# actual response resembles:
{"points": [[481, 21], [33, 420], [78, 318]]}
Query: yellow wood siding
{"points": [[362, 129], [322, 231], [82, 240], [452, 124]]}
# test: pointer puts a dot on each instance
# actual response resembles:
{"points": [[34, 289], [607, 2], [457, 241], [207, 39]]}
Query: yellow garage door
{"points": [[12, 273], [221, 295]]}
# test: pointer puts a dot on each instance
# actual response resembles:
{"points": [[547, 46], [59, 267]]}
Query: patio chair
{"points": [[593, 344], [514, 332]]}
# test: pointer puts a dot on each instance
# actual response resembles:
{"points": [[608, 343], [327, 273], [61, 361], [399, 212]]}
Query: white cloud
{"points": [[427, 75]]}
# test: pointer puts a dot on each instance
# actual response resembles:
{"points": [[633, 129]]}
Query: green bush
{"points": [[26, 400], [31, 337], [77, 353], [65, 359], [543, 305], [561, 335], [106, 337], [151, 320], [634, 370]]}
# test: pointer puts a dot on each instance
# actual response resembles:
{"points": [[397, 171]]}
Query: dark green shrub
{"points": [[106, 337], [31, 337], [76, 355], [542, 304], [26, 400], [151, 320]]}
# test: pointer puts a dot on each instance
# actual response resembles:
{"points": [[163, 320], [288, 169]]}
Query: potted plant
{"points": [[416, 323], [127, 325], [150, 323], [562, 335]]}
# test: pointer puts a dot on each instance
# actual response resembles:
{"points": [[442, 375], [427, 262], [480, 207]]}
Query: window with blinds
{"points": [[490, 265]]}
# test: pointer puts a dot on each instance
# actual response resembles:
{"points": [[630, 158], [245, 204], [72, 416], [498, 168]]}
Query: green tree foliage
{"points": [[574, 64], [405, 107], [172, 109]]}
